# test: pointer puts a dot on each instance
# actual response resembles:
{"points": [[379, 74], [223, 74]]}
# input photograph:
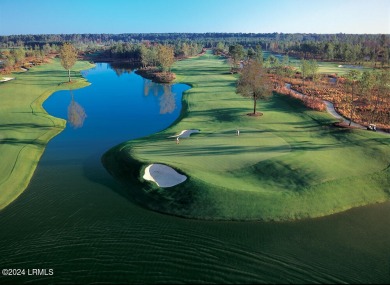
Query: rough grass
{"points": [[25, 127], [290, 163]]}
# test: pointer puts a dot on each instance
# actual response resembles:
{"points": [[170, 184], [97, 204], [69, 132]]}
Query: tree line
{"points": [[147, 52], [341, 47], [347, 52], [16, 57]]}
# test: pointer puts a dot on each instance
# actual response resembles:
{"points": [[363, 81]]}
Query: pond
{"points": [[75, 219], [117, 106]]}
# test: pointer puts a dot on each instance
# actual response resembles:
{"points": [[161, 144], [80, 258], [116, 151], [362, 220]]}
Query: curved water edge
{"points": [[75, 219], [211, 193], [119, 102], [30, 127], [119, 105]]}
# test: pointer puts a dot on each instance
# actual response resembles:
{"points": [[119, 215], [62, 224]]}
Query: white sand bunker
{"points": [[163, 175], [185, 134], [6, 79]]}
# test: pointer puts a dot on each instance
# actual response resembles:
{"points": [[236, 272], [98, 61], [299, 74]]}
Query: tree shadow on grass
{"points": [[223, 150], [276, 172], [22, 126], [12, 141], [34, 82], [220, 115]]}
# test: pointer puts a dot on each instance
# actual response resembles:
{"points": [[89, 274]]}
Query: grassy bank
{"points": [[25, 127], [289, 164]]}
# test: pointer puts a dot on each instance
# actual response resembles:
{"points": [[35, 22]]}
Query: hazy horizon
{"points": [[124, 33]]}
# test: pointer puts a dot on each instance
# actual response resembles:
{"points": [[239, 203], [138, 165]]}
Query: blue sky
{"points": [[160, 16]]}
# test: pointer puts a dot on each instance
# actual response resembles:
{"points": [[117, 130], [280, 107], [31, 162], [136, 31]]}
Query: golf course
{"points": [[25, 125], [290, 163]]}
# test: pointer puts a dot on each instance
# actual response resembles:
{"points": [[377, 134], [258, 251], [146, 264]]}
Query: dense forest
{"points": [[352, 48]]}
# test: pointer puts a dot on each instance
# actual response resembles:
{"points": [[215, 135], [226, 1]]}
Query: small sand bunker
{"points": [[163, 175], [185, 134], [6, 79]]}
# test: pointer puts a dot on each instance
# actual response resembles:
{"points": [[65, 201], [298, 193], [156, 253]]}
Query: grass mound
{"points": [[215, 153], [290, 163]]}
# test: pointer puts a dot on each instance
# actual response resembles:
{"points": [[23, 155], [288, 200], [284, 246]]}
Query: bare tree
{"points": [[254, 83]]}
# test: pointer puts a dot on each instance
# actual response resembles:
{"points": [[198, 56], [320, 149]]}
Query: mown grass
{"points": [[290, 163], [25, 127], [339, 68], [329, 67]]}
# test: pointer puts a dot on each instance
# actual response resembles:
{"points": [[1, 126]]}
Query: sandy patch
{"points": [[185, 134], [163, 175], [6, 79]]}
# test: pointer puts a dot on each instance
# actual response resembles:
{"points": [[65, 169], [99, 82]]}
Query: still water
{"points": [[76, 220]]}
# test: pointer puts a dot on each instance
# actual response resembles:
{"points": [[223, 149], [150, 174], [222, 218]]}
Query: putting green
{"points": [[291, 163], [215, 154]]}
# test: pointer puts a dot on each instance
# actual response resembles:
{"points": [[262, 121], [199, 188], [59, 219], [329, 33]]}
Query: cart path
{"points": [[331, 110]]}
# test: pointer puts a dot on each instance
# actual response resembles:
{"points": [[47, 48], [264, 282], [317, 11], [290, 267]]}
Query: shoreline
{"points": [[202, 198], [35, 130], [156, 76]]}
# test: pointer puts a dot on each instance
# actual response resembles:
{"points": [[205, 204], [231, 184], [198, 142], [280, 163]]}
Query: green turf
{"points": [[25, 127], [328, 67], [339, 68], [290, 163]]}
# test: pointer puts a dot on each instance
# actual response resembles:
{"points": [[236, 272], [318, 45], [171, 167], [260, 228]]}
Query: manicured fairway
{"points": [[25, 127], [327, 67], [291, 163]]}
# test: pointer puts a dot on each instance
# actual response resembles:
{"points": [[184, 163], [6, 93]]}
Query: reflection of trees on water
{"points": [[167, 100], [151, 87], [123, 67], [147, 86], [85, 73], [76, 113]]}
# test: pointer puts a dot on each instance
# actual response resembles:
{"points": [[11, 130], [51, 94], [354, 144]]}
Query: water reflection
{"points": [[121, 68], [76, 113], [167, 100], [150, 87]]}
